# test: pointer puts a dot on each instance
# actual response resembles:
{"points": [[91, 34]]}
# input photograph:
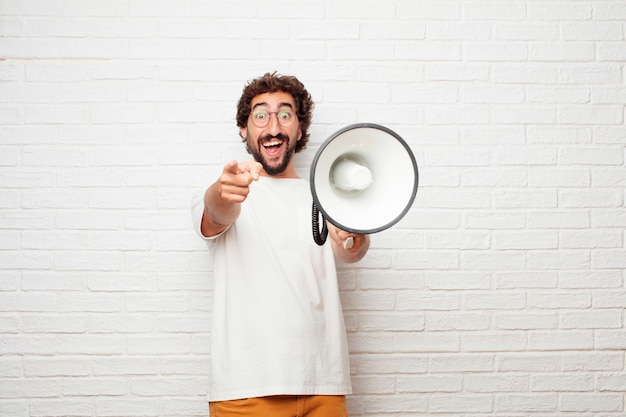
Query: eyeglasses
{"points": [[261, 118]]}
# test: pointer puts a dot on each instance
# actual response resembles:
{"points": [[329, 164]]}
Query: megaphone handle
{"points": [[318, 237]]}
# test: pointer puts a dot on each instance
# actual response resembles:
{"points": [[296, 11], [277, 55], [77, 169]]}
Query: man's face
{"points": [[272, 142]]}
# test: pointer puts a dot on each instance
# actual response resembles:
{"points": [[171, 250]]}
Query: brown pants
{"points": [[282, 406]]}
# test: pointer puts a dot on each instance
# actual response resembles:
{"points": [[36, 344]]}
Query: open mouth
{"points": [[272, 146]]}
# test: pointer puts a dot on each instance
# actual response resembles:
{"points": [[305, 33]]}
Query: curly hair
{"points": [[271, 83]]}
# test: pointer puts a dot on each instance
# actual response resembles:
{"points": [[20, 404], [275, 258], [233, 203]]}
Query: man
{"points": [[278, 343]]}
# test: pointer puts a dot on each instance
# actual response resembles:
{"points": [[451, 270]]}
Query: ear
{"points": [[299, 133], [243, 132]]}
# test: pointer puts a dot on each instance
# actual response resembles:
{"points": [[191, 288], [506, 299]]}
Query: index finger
{"points": [[253, 167], [232, 167]]}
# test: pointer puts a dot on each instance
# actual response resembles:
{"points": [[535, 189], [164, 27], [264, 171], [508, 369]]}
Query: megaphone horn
{"points": [[363, 179]]}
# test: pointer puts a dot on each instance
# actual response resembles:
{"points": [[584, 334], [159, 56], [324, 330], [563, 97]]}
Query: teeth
{"points": [[272, 143]]}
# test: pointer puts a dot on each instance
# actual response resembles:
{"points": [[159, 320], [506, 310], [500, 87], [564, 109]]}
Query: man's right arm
{"points": [[222, 200]]}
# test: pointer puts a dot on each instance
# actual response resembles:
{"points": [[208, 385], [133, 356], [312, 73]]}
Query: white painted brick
{"points": [[611, 51], [612, 382], [457, 240], [559, 134], [609, 298], [456, 321], [12, 71], [611, 339], [17, 408], [501, 260], [32, 7], [88, 261], [430, 10], [493, 342], [53, 367], [561, 340], [533, 199], [390, 322], [557, 219], [61, 407], [546, 300], [439, 260], [526, 240], [428, 50], [496, 383], [28, 260], [607, 319], [92, 386], [595, 31], [591, 402], [427, 301], [135, 324], [599, 198], [461, 362], [90, 303], [127, 407], [451, 403], [53, 324], [490, 94], [390, 364], [564, 259], [124, 365], [526, 321], [560, 177], [527, 403], [120, 281], [374, 384], [165, 303], [597, 115], [534, 279], [9, 325], [591, 239], [494, 220], [525, 74], [426, 342], [53, 240], [557, 95], [399, 404], [527, 31], [591, 74], [489, 301], [164, 386], [528, 362], [556, 11], [593, 361], [429, 384], [158, 345], [52, 281], [457, 281], [11, 367], [495, 51], [456, 72]]}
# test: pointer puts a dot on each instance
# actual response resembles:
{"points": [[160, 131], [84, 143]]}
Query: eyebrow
{"points": [[280, 105]]}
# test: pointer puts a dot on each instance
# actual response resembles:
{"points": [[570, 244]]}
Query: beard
{"points": [[258, 156]]}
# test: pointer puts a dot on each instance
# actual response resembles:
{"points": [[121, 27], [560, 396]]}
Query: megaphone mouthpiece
{"points": [[349, 175]]}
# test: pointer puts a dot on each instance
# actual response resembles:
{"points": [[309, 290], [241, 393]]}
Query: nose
{"points": [[273, 126]]}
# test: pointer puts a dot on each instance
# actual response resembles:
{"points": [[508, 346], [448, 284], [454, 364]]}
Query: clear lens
{"points": [[261, 118]]}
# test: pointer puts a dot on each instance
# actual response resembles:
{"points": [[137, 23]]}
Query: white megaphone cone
{"points": [[363, 179]]}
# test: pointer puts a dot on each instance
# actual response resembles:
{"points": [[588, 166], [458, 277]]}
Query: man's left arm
{"points": [[348, 247]]}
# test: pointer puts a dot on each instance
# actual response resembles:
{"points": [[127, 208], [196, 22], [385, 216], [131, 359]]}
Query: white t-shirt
{"points": [[277, 323]]}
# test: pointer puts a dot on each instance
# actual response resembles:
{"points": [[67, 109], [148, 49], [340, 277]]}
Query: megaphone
{"points": [[363, 180]]}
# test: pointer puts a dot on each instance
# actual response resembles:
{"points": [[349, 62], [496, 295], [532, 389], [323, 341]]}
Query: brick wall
{"points": [[501, 293]]}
